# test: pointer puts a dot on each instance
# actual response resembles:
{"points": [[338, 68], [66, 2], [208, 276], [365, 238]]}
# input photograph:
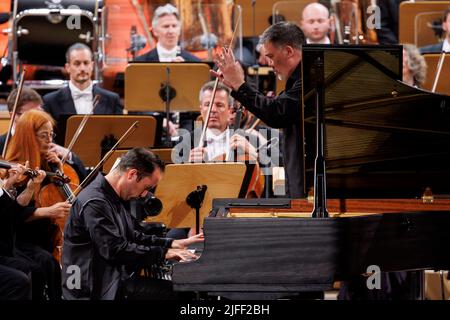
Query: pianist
{"points": [[101, 246]]}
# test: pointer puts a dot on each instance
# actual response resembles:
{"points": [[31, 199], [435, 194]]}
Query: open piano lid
{"points": [[383, 138]]}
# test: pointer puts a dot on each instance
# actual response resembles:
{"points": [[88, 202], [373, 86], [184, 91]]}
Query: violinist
{"points": [[31, 100], [32, 142], [282, 44], [101, 240], [26, 274]]}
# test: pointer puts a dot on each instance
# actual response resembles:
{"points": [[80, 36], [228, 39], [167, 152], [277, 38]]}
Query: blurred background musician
{"points": [[316, 23], [445, 45], [414, 66], [166, 27], [78, 96]]}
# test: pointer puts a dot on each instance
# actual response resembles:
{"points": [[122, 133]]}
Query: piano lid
{"points": [[383, 138]]}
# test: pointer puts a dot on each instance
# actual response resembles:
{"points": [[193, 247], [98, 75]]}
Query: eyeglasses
{"points": [[46, 135]]}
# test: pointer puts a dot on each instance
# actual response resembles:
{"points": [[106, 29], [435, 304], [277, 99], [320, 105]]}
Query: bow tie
{"points": [[81, 94]]}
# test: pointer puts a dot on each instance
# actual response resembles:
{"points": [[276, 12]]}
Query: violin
{"points": [[31, 173]]}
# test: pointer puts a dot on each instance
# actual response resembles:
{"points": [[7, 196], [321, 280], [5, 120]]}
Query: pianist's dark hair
{"points": [[77, 46], [141, 159], [284, 34]]}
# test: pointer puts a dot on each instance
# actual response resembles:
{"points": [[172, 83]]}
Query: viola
{"points": [[59, 191]]}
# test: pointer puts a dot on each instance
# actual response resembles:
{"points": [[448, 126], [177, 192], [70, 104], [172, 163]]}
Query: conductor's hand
{"points": [[180, 255], [197, 154], [230, 71], [184, 243]]}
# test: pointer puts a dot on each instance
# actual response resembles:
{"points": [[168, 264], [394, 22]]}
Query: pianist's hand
{"points": [[184, 243], [180, 255]]}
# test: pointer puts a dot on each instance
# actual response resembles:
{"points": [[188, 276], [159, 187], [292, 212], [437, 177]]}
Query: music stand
{"points": [[408, 12], [443, 85], [88, 146], [223, 180], [164, 87]]}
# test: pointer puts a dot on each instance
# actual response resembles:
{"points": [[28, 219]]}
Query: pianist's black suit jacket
{"points": [[60, 102]]}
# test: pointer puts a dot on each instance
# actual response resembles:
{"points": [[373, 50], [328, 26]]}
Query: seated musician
{"points": [[31, 100], [166, 27], [15, 271], [32, 141], [316, 23], [78, 96], [414, 66], [442, 46], [101, 241], [220, 140]]}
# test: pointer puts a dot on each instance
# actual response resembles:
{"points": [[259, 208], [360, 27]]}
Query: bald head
{"points": [[315, 23]]}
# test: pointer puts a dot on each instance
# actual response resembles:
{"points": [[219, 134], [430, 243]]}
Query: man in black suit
{"points": [[442, 46], [166, 28], [78, 96]]}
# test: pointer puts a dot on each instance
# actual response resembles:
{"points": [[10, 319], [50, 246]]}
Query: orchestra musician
{"points": [[32, 142], [31, 100], [442, 46], [414, 66], [78, 96], [316, 23], [166, 27], [282, 46], [20, 278], [101, 240]]}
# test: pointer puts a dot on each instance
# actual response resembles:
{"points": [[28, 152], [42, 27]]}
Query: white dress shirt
{"points": [[82, 99], [217, 145], [165, 55], [446, 45], [326, 40]]}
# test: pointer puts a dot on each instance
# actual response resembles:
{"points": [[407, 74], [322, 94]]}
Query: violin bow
{"points": [[208, 112], [103, 160], [13, 116], [80, 128], [438, 70]]}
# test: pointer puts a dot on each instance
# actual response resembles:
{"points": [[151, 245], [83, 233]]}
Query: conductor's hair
{"points": [[220, 86], [284, 34], [141, 159], [77, 46]]}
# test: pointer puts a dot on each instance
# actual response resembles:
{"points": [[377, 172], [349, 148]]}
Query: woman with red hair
{"points": [[32, 142]]}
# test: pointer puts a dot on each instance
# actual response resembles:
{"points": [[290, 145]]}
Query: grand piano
{"points": [[386, 147]]}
